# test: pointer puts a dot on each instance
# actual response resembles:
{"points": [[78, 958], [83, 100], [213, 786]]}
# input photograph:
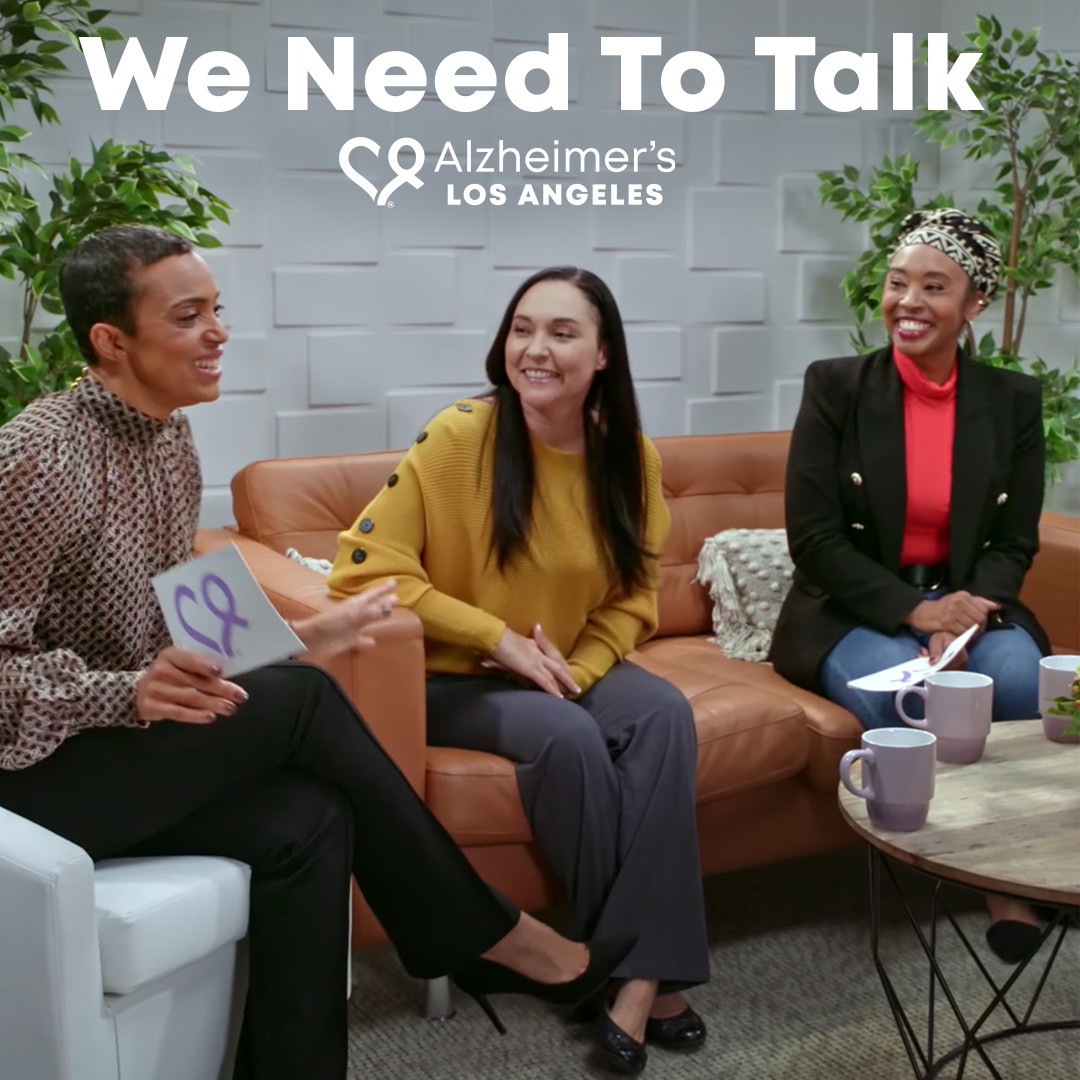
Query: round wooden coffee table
{"points": [[1008, 824]]}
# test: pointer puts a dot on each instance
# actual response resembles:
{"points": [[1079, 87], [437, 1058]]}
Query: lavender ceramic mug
{"points": [[897, 774], [959, 708]]}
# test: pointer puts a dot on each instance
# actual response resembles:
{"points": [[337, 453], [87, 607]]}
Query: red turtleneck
{"points": [[929, 423]]}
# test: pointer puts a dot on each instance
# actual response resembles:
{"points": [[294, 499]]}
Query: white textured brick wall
{"points": [[353, 324]]}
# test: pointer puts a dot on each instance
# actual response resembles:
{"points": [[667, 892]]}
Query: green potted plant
{"points": [[1029, 132], [118, 184]]}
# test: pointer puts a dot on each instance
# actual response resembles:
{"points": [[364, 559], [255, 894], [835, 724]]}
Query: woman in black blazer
{"points": [[913, 494]]}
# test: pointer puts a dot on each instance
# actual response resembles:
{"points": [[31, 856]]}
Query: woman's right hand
{"points": [[334, 631], [536, 660], [953, 613], [183, 686]]}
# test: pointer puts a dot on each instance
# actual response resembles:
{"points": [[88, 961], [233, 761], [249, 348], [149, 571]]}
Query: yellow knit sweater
{"points": [[429, 528]]}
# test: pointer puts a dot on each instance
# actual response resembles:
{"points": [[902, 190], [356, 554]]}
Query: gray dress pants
{"points": [[608, 785]]}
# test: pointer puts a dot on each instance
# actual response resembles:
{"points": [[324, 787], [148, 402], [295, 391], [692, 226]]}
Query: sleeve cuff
{"points": [[488, 634], [109, 698]]}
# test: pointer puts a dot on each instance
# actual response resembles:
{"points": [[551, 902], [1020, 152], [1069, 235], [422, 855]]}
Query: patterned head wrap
{"points": [[969, 243]]}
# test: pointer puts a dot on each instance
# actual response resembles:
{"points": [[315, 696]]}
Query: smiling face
{"points": [[172, 357], [553, 350], [925, 301]]}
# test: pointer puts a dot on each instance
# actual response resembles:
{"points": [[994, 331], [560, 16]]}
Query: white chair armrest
{"points": [[52, 1017]]}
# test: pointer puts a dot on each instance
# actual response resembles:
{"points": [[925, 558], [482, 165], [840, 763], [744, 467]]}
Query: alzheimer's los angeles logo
{"points": [[501, 158]]}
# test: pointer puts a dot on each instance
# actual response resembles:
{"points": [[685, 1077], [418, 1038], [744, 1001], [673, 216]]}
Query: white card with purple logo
{"points": [[914, 671], [213, 606]]}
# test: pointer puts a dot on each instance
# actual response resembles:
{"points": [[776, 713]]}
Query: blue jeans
{"points": [[1009, 656]]}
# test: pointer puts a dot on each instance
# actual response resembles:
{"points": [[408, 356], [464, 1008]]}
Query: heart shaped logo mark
{"points": [[359, 179], [226, 615], [401, 175]]}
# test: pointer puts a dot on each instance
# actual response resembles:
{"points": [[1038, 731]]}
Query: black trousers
{"points": [[295, 785]]}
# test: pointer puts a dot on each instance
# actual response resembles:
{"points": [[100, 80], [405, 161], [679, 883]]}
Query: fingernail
{"points": [[577, 689], [216, 669], [933, 659]]}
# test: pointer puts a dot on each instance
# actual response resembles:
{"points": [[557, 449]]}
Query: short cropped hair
{"points": [[96, 279]]}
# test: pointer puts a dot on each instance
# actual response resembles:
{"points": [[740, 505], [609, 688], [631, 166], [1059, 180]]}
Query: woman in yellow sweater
{"points": [[524, 529]]}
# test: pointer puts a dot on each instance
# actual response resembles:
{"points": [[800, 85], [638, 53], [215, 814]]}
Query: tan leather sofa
{"points": [[768, 751]]}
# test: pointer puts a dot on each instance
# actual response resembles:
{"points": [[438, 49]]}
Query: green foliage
{"points": [[117, 185], [1029, 130], [888, 199], [1061, 410], [1069, 705], [32, 35]]}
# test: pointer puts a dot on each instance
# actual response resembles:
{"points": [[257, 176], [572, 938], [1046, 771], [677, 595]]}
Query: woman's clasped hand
{"points": [[535, 661]]}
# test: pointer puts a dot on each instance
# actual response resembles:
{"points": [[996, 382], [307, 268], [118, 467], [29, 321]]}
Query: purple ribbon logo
{"points": [[227, 617]]}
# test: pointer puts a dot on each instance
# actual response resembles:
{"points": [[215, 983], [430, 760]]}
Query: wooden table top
{"points": [[1009, 823]]}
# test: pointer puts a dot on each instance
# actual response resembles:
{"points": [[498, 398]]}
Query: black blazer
{"points": [[846, 499]]}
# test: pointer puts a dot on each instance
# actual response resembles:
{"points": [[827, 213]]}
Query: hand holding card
{"points": [[213, 607], [914, 671]]}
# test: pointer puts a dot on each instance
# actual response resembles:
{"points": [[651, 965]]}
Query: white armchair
{"points": [[130, 970]]}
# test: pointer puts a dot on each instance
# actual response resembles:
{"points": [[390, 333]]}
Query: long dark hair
{"points": [[613, 456]]}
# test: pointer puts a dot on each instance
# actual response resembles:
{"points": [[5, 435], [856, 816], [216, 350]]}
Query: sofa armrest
{"points": [[1052, 586], [51, 1004], [386, 684]]}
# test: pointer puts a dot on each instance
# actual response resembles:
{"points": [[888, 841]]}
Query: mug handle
{"points": [[846, 762], [900, 695]]}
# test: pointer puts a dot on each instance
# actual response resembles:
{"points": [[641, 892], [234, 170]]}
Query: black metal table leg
{"points": [[925, 1063]]}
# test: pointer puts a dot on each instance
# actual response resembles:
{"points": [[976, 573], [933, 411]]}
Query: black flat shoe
{"points": [[1013, 941], [683, 1032], [616, 1048], [482, 977]]}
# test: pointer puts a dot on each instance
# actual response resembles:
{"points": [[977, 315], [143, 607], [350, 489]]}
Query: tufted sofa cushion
{"points": [[712, 483]]}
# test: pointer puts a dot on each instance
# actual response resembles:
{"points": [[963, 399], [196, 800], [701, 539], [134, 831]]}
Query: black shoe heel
{"points": [[482, 977], [492, 1015]]}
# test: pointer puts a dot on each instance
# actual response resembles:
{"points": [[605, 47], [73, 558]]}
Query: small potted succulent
{"points": [[1061, 721]]}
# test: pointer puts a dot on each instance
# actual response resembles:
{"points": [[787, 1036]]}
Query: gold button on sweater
{"points": [[431, 532]]}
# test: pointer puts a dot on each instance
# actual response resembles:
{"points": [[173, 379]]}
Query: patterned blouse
{"points": [[96, 499]]}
